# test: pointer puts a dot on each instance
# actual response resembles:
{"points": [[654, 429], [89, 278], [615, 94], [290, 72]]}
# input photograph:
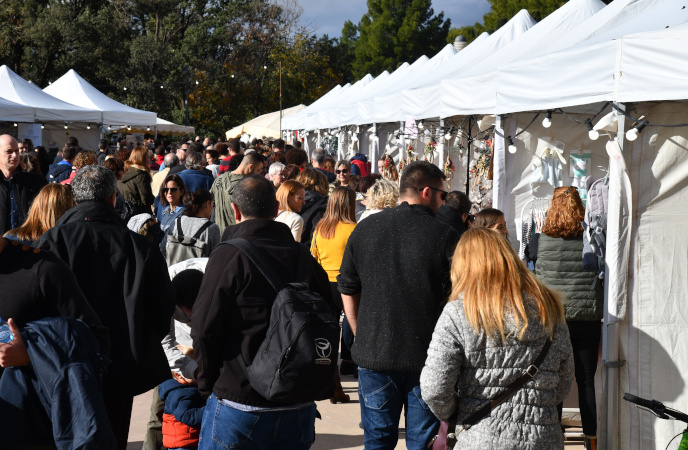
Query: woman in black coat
{"points": [[317, 189]]}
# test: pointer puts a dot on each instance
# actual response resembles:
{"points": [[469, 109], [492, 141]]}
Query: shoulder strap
{"points": [[258, 260], [304, 270], [180, 233], [529, 374], [200, 231]]}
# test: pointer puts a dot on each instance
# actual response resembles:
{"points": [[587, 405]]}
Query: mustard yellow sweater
{"points": [[329, 252]]}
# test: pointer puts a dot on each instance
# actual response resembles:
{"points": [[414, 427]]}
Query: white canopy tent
{"points": [[267, 125], [631, 51], [72, 88], [46, 107], [10, 111]]}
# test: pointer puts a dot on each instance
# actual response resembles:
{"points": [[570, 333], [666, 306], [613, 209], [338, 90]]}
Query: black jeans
{"points": [[585, 340], [347, 335]]}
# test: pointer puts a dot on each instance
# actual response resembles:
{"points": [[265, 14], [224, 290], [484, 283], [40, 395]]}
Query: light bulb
{"points": [[593, 134], [512, 147], [232, 75], [15, 124], [196, 82], [42, 127], [88, 127], [447, 137], [420, 125], [147, 128], [125, 88], [632, 134], [547, 121], [66, 127]]}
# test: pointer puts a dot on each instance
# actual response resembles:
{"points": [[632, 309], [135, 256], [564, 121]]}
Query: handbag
{"points": [[447, 435]]}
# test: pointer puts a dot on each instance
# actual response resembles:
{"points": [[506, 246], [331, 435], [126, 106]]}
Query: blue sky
{"points": [[328, 16]]}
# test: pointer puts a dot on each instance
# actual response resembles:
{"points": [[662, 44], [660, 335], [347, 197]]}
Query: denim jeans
{"points": [[225, 427], [382, 396]]}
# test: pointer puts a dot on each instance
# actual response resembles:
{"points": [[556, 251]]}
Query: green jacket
{"points": [[560, 266], [135, 187], [222, 189]]}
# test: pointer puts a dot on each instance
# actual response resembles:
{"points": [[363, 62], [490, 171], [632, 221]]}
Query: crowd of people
{"points": [[121, 273]]}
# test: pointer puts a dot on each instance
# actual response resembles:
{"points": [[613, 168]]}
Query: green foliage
{"points": [[392, 32], [129, 49]]}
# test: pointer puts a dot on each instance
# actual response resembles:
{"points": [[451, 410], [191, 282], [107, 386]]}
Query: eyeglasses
{"points": [[443, 194], [172, 190], [341, 171]]}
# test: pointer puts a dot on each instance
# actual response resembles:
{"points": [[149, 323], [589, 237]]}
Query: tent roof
{"points": [[164, 127], [14, 112], [266, 125], [72, 88], [607, 63], [46, 107], [475, 90]]}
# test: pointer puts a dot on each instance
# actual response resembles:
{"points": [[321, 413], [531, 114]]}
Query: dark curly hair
{"points": [[565, 214]]}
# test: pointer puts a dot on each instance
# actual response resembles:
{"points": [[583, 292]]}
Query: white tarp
{"points": [[474, 91], [267, 125], [14, 112], [46, 107], [609, 64], [73, 89]]}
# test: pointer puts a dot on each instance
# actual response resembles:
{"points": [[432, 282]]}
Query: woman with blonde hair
{"points": [[558, 264], [497, 323], [317, 188], [135, 184], [47, 208], [327, 246], [383, 194], [291, 196]]}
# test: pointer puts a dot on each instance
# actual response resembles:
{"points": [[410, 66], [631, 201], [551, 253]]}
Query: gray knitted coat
{"points": [[528, 419]]}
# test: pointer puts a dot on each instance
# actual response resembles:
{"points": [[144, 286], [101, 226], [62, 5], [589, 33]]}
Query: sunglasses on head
{"points": [[172, 190], [341, 171]]}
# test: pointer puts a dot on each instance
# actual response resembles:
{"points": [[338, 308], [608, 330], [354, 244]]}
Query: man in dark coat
{"points": [[455, 211], [231, 318], [125, 279], [394, 280], [17, 188]]}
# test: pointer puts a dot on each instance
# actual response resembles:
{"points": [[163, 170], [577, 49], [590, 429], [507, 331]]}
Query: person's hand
{"points": [[181, 379], [14, 354]]}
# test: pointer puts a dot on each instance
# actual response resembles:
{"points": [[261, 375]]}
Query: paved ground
{"points": [[338, 428]]}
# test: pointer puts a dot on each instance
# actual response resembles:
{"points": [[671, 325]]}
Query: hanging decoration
{"points": [[480, 174], [430, 150], [448, 170]]}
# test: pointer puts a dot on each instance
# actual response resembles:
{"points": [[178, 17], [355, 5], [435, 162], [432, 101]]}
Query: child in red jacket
{"points": [[181, 419]]}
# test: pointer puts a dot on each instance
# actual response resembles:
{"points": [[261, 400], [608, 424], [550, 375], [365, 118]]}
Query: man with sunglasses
{"points": [[394, 279]]}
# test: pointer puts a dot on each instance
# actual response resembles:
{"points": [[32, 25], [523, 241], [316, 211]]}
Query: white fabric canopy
{"points": [[267, 125], [10, 111], [46, 107], [72, 88], [607, 64]]}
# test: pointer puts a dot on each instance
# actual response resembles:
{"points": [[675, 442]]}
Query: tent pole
{"points": [[280, 115], [468, 154]]}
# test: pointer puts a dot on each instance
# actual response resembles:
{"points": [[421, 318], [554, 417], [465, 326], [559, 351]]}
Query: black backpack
{"points": [[297, 361]]}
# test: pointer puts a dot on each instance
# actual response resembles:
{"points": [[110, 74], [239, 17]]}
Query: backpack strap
{"points": [[258, 260], [180, 233], [200, 231], [304, 268]]}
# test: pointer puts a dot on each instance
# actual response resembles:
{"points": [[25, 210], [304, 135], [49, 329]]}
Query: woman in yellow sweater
{"points": [[327, 246]]}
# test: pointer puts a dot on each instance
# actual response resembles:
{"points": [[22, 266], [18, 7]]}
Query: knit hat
{"points": [[137, 221]]}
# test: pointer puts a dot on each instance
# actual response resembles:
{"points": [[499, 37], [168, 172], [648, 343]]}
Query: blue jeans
{"points": [[382, 396], [224, 427]]}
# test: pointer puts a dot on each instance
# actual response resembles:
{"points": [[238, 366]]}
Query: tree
{"points": [[395, 31]]}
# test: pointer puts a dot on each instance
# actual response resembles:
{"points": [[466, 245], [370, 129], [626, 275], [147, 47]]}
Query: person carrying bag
{"points": [[505, 326]]}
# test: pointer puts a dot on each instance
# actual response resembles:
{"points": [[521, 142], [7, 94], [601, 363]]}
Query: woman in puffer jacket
{"points": [[494, 327], [558, 264]]}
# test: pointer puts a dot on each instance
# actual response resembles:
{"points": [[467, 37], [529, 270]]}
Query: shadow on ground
{"points": [[327, 441]]}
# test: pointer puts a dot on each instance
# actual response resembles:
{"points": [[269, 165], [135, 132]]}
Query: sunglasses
{"points": [[341, 171], [443, 194], [172, 190]]}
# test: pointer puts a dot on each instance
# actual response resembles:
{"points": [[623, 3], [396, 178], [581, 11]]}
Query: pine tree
{"points": [[395, 31]]}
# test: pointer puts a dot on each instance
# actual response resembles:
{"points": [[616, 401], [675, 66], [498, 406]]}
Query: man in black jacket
{"points": [[230, 320], [125, 279], [456, 211], [17, 188], [394, 281]]}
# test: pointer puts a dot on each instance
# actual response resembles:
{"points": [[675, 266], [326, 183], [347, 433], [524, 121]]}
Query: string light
{"points": [[547, 121], [88, 127], [512, 146], [15, 124], [633, 133]]}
